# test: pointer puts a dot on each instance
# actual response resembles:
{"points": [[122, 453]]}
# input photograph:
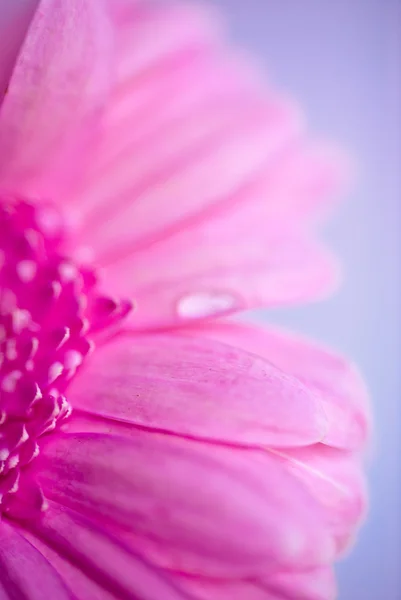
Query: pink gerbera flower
{"points": [[186, 457]]}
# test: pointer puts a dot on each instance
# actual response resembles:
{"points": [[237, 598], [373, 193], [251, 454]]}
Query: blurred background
{"points": [[342, 60]]}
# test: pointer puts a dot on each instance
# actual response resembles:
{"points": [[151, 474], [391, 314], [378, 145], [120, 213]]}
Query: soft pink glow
{"points": [[206, 459]]}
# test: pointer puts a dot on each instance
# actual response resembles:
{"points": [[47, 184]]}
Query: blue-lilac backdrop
{"points": [[342, 60]]}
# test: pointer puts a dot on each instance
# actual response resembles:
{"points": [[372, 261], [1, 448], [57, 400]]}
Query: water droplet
{"points": [[205, 304]]}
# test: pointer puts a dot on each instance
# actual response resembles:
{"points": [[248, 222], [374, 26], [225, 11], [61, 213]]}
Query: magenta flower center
{"points": [[50, 316]]}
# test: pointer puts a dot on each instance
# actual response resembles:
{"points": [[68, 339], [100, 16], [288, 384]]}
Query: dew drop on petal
{"points": [[205, 304]]}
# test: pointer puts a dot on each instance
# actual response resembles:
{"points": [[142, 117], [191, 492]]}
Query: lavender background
{"points": [[342, 60]]}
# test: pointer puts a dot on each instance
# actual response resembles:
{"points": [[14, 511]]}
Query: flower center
{"points": [[50, 316]]}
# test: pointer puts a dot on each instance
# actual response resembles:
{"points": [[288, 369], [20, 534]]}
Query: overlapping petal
{"points": [[335, 478], [223, 458], [198, 388], [95, 564], [221, 154], [14, 22], [314, 584], [187, 147], [335, 380], [194, 505], [25, 572], [192, 385], [55, 94]]}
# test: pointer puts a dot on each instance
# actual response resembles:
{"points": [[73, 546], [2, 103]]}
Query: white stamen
{"points": [[10, 381], [26, 270], [67, 271], [55, 371]]}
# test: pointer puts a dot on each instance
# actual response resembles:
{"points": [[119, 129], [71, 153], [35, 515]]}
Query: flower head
{"points": [[158, 453]]}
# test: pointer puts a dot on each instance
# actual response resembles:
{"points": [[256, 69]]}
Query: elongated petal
{"points": [[314, 584], [25, 574], [189, 139], [208, 270], [231, 589], [335, 381], [198, 388], [334, 475], [209, 513], [58, 86], [95, 564], [176, 179], [336, 479], [14, 22]]}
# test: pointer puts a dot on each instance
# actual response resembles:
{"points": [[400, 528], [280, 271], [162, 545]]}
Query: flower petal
{"points": [[14, 22], [198, 388], [190, 139], [315, 584], [59, 84], [94, 564], [196, 505], [334, 380], [24, 571], [334, 475], [194, 149], [232, 589], [335, 478], [207, 271]]}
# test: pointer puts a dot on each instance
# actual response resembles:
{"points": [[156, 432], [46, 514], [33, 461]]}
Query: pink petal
{"points": [[198, 388], [232, 589], [223, 147], [315, 584], [175, 180], [335, 479], [217, 124], [190, 143], [334, 380], [59, 84], [94, 564], [24, 572], [213, 512], [14, 22], [208, 271]]}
